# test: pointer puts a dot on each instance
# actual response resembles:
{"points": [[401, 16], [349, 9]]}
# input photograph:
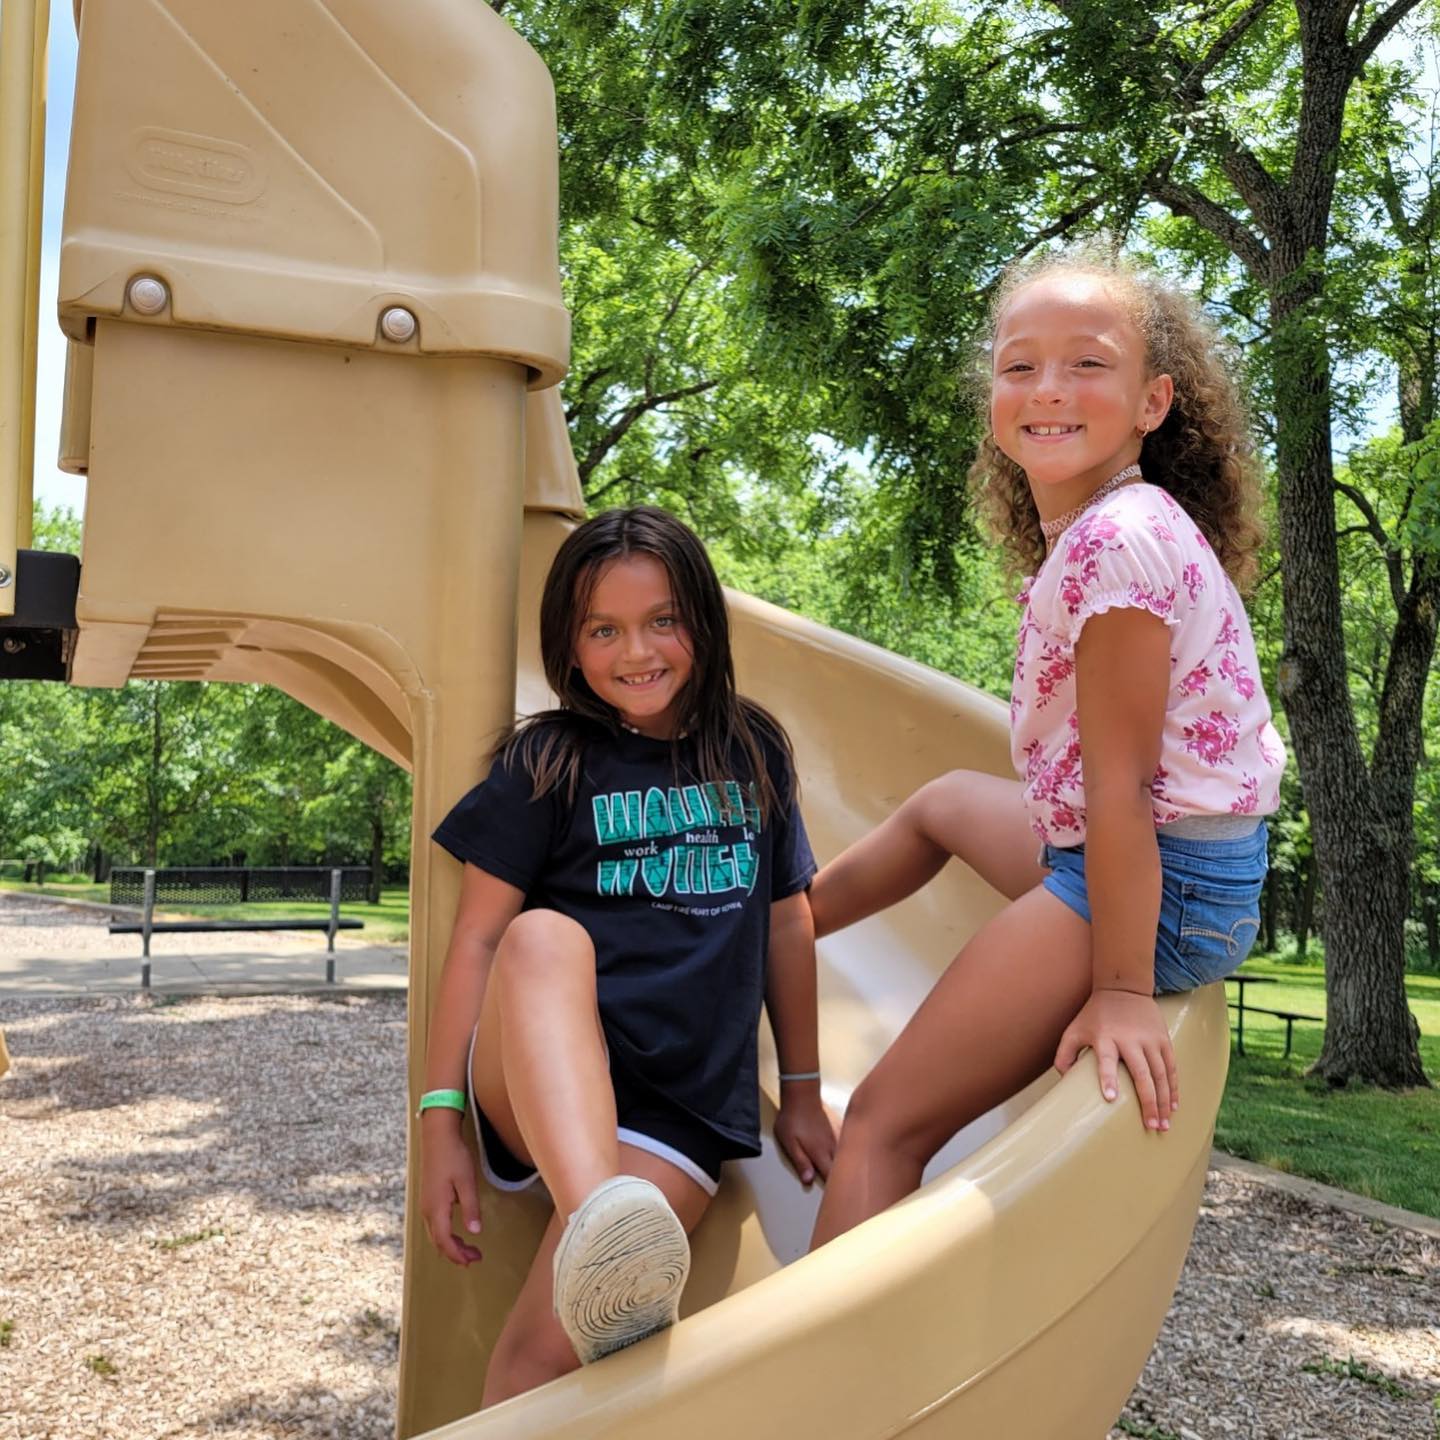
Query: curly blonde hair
{"points": [[1202, 453]]}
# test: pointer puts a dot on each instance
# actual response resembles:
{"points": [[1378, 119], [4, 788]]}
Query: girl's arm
{"points": [[803, 1128], [1122, 677], [487, 906]]}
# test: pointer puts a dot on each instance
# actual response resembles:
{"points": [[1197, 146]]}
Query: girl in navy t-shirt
{"points": [[634, 889]]}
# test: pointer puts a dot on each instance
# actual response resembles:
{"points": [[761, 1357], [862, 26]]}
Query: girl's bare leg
{"points": [[541, 1073], [988, 1028], [532, 1347], [979, 818]]}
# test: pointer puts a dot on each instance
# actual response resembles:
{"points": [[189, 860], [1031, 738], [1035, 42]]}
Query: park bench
{"points": [[1241, 1010], [183, 886]]}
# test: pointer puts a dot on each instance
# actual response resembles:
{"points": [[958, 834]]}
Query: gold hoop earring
{"points": [[1141, 431]]}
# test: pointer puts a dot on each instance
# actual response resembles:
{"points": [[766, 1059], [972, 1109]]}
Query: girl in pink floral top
{"points": [[1118, 473], [1220, 755]]}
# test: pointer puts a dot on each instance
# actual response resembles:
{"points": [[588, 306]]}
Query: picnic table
{"points": [[1239, 1006]]}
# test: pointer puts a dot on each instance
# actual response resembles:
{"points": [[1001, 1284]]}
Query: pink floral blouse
{"points": [[1220, 753]]}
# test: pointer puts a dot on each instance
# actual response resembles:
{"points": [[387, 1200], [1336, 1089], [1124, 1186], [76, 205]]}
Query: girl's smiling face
{"points": [[632, 647], [1070, 388]]}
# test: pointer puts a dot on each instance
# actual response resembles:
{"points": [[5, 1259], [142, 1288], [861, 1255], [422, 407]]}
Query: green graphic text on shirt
{"points": [[695, 861]]}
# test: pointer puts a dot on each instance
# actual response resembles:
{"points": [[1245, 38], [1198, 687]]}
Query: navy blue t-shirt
{"points": [[673, 881]]}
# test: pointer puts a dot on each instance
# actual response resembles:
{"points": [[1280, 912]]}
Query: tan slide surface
{"points": [[310, 282]]}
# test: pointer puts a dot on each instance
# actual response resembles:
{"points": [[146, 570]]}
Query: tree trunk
{"points": [[1431, 911], [1269, 913], [1362, 849], [1307, 882]]}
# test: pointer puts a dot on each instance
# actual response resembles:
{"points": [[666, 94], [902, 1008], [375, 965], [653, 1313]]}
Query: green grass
{"points": [[1353, 1369], [387, 923], [74, 889], [1141, 1431], [1380, 1143], [179, 1242]]}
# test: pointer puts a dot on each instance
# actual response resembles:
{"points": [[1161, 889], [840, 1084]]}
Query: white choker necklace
{"points": [[627, 726], [1052, 530]]}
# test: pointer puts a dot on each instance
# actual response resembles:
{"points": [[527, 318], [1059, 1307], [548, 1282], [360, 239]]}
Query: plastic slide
{"points": [[309, 277], [1020, 1291]]}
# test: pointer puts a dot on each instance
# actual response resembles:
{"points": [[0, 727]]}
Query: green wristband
{"points": [[442, 1100]]}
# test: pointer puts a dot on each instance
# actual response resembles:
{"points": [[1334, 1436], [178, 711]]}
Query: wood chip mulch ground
{"points": [[200, 1219]]}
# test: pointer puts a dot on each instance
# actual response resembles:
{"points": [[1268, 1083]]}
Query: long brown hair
{"points": [[708, 710], [1202, 453]]}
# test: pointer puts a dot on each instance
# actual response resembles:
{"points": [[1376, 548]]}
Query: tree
{"points": [[1242, 119], [780, 223], [841, 183]]}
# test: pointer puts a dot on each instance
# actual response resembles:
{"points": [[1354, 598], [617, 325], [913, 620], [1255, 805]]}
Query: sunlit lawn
{"points": [[387, 923], [1379, 1143]]}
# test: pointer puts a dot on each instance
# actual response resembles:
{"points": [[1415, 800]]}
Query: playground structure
{"points": [[310, 285]]}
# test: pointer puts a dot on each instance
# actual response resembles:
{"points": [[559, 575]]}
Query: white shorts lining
{"points": [[626, 1136]]}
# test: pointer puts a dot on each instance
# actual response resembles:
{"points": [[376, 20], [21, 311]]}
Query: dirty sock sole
{"points": [[620, 1268]]}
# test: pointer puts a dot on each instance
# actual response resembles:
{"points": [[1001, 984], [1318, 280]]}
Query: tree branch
{"points": [[1205, 212], [1361, 502], [1264, 195], [1388, 184], [627, 417], [696, 271], [1062, 226], [1037, 132], [1227, 42], [1380, 27], [1258, 188], [623, 478], [594, 377]]}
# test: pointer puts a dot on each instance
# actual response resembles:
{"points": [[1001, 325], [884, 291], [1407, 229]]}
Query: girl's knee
{"points": [[939, 799], [876, 1123], [538, 941], [547, 930]]}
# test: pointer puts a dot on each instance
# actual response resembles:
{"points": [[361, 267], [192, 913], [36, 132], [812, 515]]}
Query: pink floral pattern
{"points": [[1220, 753], [1059, 666], [1144, 598], [1195, 683], [1241, 680], [1212, 737]]}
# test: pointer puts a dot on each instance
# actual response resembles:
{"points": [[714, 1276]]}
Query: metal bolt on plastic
{"points": [[5, 577], [397, 323], [148, 296], [12, 645]]}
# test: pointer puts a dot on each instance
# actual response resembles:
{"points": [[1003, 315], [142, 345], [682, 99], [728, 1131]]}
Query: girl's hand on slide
{"points": [[447, 1179], [805, 1132], [1122, 1025]]}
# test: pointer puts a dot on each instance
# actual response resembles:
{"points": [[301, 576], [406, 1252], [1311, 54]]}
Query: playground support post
{"points": [[147, 921], [24, 28], [334, 926]]}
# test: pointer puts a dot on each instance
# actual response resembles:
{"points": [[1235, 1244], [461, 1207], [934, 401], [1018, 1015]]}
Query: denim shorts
{"points": [[1209, 903]]}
